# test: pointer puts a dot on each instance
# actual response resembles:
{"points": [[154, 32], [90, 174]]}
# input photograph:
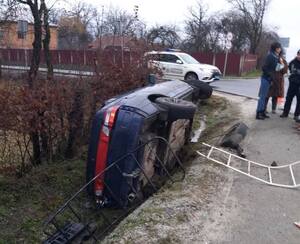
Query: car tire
{"points": [[204, 90], [191, 76], [176, 108], [234, 135]]}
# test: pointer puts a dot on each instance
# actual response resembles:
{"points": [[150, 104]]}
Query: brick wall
{"points": [[11, 39]]}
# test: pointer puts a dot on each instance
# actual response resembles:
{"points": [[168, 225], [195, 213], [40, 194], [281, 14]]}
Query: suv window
{"points": [[169, 58]]}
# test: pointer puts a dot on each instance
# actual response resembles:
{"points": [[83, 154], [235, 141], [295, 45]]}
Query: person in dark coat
{"points": [[269, 67], [277, 85], [293, 90]]}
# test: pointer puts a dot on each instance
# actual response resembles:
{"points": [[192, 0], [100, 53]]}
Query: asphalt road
{"points": [[244, 87], [251, 211]]}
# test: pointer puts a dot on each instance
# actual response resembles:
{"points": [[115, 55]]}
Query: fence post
{"points": [[225, 63], [214, 59], [84, 57], [242, 61], [59, 58], [26, 58]]}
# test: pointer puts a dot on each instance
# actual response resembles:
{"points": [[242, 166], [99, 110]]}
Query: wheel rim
{"points": [[191, 77]]}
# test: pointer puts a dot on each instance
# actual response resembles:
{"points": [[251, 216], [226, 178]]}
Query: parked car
{"points": [[182, 66], [126, 122]]}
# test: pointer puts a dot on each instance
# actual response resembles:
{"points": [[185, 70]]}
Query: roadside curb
{"points": [[234, 94]]}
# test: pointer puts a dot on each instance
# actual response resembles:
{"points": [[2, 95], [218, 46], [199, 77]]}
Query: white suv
{"points": [[182, 66]]}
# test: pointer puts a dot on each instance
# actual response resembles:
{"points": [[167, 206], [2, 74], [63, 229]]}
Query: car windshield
{"points": [[188, 59]]}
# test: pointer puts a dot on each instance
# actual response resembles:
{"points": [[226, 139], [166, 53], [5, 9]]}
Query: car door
{"points": [[169, 66]]}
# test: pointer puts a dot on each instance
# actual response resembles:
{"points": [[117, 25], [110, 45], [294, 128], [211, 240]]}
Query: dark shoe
{"points": [[260, 116], [296, 117], [266, 116], [284, 115], [273, 111]]}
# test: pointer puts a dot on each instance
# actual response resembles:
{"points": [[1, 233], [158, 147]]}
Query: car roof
{"points": [[165, 52]]}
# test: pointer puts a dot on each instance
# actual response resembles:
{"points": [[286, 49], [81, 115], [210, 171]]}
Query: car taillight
{"points": [[102, 149]]}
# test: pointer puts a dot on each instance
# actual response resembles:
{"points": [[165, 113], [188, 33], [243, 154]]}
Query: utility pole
{"points": [[228, 46]]}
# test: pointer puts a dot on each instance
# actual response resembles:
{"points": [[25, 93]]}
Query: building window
{"points": [[22, 29], [21, 35]]}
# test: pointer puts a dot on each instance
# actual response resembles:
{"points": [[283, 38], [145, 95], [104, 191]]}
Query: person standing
{"points": [[277, 85], [293, 90], [268, 71]]}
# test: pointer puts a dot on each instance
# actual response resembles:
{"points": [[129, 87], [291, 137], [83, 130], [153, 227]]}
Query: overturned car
{"points": [[127, 125], [135, 139]]}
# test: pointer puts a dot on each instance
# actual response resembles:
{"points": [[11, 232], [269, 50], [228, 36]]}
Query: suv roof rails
{"points": [[172, 50]]}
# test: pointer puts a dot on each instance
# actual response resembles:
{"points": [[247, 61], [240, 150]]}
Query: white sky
{"points": [[284, 14]]}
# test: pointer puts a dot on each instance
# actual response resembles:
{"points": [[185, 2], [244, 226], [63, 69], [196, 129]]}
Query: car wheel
{"points": [[204, 90], [176, 108], [191, 76]]}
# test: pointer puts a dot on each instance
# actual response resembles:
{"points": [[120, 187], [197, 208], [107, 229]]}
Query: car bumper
{"points": [[213, 77]]}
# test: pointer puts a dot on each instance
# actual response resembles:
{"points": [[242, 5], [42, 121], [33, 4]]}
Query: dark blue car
{"points": [[126, 122]]}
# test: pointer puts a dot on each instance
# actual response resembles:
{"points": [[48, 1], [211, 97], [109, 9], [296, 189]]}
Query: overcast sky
{"points": [[284, 14]]}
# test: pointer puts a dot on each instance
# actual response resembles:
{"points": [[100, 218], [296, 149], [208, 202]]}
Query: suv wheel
{"points": [[191, 76], [204, 90], [176, 108]]}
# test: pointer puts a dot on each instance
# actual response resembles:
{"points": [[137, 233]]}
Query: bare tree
{"points": [[252, 13], [268, 36], [232, 21], [83, 11], [72, 33], [36, 12], [75, 26], [166, 36], [118, 22], [9, 10], [39, 13], [197, 28]]}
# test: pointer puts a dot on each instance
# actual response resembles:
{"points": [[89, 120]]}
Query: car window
{"points": [[188, 58], [169, 58]]}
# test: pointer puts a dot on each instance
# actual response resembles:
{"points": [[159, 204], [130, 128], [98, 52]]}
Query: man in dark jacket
{"points": [[294, 88], [271, 65]]}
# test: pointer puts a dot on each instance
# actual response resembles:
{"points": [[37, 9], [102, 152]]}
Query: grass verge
{"points": [[26, 202]]}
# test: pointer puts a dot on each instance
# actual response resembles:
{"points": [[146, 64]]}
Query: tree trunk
{"points": [[46, 41], [34, 66], [35, 140], [0, 67], [75, 123], [37, 44]]}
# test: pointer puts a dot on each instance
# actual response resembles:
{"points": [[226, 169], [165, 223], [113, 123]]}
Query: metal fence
{"points": [[83, 218], [84, 60], [237, 64]]}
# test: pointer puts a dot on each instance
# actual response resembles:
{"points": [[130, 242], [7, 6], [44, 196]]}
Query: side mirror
{"points": [[178, 61]]}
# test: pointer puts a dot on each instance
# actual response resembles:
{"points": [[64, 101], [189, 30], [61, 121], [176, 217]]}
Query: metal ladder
{"points": [[248, 163]]}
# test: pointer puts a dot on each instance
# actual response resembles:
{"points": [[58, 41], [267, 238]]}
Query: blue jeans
{"points": [[263, 93]]}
